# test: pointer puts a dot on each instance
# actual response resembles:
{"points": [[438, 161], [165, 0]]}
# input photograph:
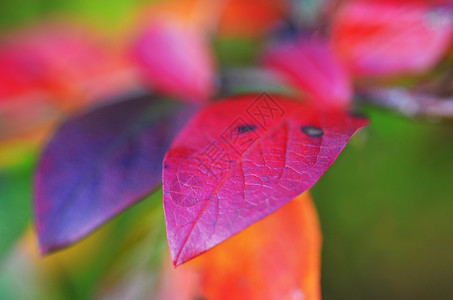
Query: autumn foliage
{"points": [[155, 109]]}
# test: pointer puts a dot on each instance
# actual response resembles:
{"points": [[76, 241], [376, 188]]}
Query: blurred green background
{"points": [[385, 205], [105, 15], [385, 208]]}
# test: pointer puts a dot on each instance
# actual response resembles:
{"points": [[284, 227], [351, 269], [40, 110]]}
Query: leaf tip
{"points": [[179, 259]]}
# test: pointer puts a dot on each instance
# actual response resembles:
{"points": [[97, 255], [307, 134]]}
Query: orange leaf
{"points": [[250, 18], [275, 258]]}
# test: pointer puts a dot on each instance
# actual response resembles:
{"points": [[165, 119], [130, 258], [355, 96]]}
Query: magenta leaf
{"points": [[241, 159], [310, 66], [176, 60], [100, 163]]}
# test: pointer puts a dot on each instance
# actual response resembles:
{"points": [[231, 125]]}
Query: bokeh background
{"points": [[385, 206]]}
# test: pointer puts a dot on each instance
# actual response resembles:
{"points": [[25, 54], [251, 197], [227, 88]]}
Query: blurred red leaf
{"points": [[60, 60], [175, 59], [241, 159], [391, 37], [311, 67]]}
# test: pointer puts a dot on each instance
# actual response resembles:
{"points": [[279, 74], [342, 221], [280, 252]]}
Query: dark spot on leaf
{"points": [[312, 131], [245, 128], [166, 166]]}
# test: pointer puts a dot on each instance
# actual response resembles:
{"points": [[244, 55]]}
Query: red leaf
{"points": [[58, 60], [99, 164], [241, 159], [175, 60], [391, 37], [310, 66]]}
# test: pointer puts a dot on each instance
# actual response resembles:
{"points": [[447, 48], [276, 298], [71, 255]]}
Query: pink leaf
{"points": [[311, 67], [241, 159], [391, 37], [175, 60]]}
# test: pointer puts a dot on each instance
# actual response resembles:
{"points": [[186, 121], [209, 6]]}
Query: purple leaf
{"points": [[100, 163]]}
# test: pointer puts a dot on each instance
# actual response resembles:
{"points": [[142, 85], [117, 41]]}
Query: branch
{"points": [[408, 103]]}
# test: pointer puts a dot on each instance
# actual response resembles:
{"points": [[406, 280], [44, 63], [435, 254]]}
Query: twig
{"points": [[410, 104]]}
